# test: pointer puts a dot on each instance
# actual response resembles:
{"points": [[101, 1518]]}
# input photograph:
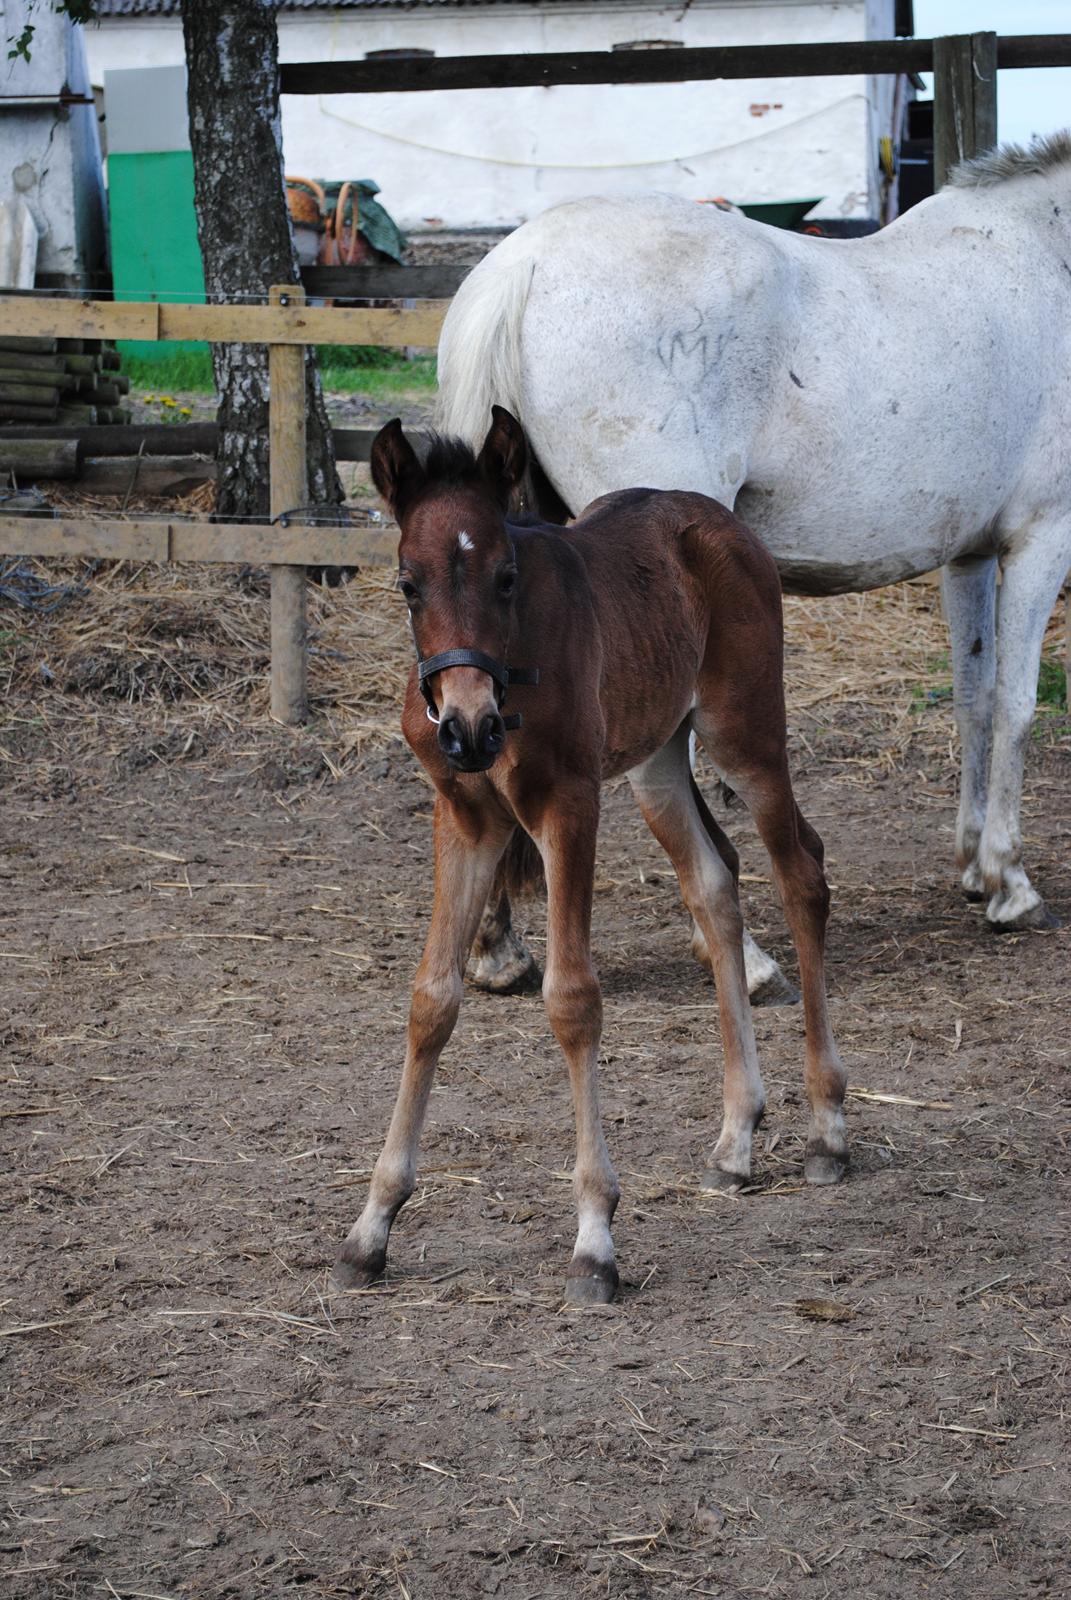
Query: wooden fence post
{"points": [[289, 492], [964, 99]]}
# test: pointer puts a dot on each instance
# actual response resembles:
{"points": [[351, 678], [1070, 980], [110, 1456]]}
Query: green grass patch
{"points": [[357, 369], [416, 377], [932, 694], [1052, 685], [179, 371]]}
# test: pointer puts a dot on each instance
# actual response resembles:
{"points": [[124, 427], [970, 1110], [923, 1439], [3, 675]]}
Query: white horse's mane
{"points": [[1013, 161]]}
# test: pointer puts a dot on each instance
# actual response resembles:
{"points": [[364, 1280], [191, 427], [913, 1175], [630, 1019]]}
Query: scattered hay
{"points": [[181, 641]]}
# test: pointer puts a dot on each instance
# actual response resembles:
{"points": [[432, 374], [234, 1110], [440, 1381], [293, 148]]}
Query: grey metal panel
{"points": [[146, 109]]}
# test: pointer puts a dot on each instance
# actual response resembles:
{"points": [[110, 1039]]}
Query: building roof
{"points": [[173, 8], [905, 21]]}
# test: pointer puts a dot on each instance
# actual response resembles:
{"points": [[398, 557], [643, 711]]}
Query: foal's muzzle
{"points": [[470, 749]]}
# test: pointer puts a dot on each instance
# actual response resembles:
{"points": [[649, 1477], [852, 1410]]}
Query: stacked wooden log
{"points": [[66, 381]]}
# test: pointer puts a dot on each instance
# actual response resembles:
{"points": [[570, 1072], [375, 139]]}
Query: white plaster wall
{"points": [[482, 158]]}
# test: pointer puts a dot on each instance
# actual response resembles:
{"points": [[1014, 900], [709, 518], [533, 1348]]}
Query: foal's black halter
{"points": [[503, 677]]}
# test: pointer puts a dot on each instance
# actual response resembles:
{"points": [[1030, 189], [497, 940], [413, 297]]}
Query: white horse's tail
{"points": [[480, 348]]}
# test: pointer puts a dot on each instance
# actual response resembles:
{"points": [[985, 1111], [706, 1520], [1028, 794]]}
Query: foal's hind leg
{"points": [[705, 863], [766, 983], [467, 848], [796, 854]]}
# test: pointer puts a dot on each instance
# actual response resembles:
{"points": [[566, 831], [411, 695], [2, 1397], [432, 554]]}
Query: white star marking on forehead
{"points": [[464, 542]]}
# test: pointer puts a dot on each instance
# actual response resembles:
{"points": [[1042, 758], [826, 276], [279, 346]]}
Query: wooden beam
{"points": [[603, 66], [169, 439], [355, 444], [103, 538], [964, 99], [298, 324], [30, 459], [383, 283], [1034, 50], [42, 318], [243, 543], [227, 324], [289, 494], [850, 58], [299, 545]]}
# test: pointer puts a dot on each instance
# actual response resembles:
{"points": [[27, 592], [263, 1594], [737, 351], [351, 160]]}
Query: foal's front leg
{"points": [[571, 993], [467, 848]]}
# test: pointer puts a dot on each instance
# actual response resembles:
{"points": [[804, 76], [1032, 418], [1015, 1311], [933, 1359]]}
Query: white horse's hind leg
{"points": [[501, 962], [766, 983], [969, 589], [1031, 581]]}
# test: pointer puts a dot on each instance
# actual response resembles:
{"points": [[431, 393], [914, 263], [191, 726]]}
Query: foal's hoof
{"points": [[776, 990], [1038, 916], [510, 968], [822, 1166], [719, 1180], [590, 1282], [353, 1270]]}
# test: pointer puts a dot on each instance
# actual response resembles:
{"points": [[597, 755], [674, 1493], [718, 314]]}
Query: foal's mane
{"points": [[449, 462], [1013, 161]]}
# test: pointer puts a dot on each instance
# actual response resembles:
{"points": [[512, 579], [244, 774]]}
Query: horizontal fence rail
{"points": [[22, 315], [171, 539], [866, 56]]}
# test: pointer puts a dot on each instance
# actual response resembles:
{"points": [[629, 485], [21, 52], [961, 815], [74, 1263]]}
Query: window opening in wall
{"points": [[398, 55], [650, 44]]}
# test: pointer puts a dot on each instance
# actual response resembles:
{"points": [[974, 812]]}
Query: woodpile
{"points": [[66, 381]]}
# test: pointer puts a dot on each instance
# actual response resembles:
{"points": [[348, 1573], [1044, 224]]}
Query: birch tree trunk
{"points": [[243, 224]]}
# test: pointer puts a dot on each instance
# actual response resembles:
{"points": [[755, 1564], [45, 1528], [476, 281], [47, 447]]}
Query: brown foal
{"points": [[655, 615]]}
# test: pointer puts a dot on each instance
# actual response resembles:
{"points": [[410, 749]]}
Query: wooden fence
{"points": [[965, 68], [287, 544]]}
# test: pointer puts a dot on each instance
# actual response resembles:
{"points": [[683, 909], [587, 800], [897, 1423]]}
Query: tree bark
{"points": [[243, 224]]}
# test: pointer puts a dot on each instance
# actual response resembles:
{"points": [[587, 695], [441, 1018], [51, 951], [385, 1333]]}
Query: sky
{"points": [[1038, 101]]}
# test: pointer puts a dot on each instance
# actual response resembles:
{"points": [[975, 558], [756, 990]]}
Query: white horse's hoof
{"points": [[775, 990], [507, 968], [719, 1180], [1038, 916], [766, 983], [972, 881]]}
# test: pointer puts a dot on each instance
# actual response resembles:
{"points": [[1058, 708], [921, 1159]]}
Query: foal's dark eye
{"points": [[507, 582], [409, 590]]}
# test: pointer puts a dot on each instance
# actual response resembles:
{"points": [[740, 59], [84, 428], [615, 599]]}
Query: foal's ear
{"points": [[396, 472], [504, 455]]}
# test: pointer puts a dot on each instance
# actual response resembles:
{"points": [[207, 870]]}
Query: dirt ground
{"points": [[209, 925]]}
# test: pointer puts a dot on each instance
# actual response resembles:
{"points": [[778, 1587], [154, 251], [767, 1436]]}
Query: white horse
{"points": [[874, 409]]}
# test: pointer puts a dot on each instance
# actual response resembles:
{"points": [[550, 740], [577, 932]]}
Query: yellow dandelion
{"points": [[148, 399], [166, 400], [184, 411]]}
